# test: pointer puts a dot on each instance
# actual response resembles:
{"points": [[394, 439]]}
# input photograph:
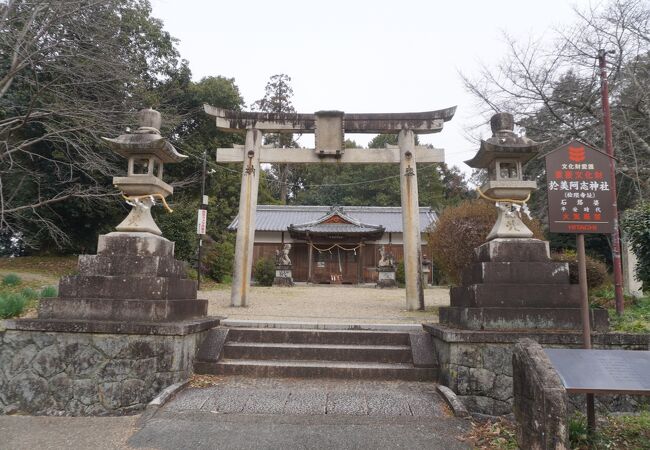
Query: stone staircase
{"points": [[316, 353]]}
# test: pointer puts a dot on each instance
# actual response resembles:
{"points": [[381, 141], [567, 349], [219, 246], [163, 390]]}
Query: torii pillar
{"points": [[329, 128], [410, 221], [250, 181]]}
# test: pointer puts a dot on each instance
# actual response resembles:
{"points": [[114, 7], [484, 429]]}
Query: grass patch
{"points": [[493, 435], [12, 305], [624, 432], [636, 313], [18, 296], [30, 294], [635, 317], [605, 297], [11, 279], [49, 291], [620, 432]]}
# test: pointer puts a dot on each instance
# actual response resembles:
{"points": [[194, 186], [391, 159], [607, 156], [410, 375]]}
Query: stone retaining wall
{"points": [[59, 373], [477, 365]]}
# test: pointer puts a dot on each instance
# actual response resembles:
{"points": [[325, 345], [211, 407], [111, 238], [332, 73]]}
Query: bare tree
{"points": [[70, 70], [554, 89]]}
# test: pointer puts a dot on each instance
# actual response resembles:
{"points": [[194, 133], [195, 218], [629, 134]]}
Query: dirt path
{"points": [[30, 277], [328, 304]]}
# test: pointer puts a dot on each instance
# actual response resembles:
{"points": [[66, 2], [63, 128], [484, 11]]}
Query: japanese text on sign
{"points": [[201, 222], [579, 195]]}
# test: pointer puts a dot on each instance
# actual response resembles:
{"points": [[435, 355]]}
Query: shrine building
{"points": [[333, 245]]}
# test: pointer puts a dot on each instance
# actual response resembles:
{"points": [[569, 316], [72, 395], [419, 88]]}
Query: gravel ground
{"points": [[328, 304]]}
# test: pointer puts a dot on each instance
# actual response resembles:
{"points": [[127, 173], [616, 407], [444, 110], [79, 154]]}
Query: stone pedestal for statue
{"points": [[283, 275], [386, 277]]}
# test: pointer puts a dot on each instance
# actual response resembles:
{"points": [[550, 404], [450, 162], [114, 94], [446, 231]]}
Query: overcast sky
{"points": [[359, 56]]}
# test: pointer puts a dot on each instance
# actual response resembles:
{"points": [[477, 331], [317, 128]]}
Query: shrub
{"points": [[180, 227], [11, 305], [462, 228], [29, 293], [636, 224], [578, 432], [219, 259], [635, 318], [264, 271], [11, 280], [191, 273], [596, 269], [49, 291], [400, 274]]}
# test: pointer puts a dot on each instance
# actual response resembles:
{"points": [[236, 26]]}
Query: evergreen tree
{"points": [[277, 99]]}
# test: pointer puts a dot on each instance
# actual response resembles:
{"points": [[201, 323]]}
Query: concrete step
{"points": [[301, 336], [317, 369], [303, 325], [323, 352]]}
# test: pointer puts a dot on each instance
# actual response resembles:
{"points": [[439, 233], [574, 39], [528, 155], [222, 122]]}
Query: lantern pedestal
{"points": [[513, 285], [139, 219], [133, 277], [508, 224]]}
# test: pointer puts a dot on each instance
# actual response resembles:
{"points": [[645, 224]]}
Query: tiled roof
{"points": [[279, 217], [338, 228]]}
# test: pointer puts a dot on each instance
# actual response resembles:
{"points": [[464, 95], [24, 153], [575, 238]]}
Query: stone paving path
{"points": [[326, 304], [248, 413], [240, 395]]}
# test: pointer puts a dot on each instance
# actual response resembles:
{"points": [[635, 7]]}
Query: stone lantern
{"points": [[147, 152], [503, 155]]}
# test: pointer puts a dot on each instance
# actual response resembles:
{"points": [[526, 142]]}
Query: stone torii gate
{"points": [[329, 128]]}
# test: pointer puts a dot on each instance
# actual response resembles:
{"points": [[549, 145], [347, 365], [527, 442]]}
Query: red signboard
{"points": [[579, 190]]}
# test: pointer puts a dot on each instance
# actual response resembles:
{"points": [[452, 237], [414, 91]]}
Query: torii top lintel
{"points": [[418, 122]]}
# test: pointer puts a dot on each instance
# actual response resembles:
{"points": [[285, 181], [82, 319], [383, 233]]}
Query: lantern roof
{"points": [[504, 144], [146, 140]]}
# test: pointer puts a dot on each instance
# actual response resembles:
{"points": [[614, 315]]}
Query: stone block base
{"points": [[104, 368], [283, 276], [287, 282], [513, 285], [121, 309], [133, 277], [522, 318], [477, 365], [386, 277], [386, 284]]}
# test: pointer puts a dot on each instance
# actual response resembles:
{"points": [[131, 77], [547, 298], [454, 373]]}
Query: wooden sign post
{"points": [[579, 186]]}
